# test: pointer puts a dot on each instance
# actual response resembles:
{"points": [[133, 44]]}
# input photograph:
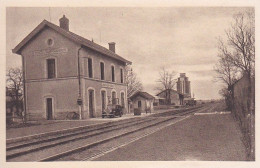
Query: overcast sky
{"points": [[183, 40]]}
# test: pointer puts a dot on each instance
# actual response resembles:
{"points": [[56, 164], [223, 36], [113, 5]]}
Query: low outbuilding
{"points": [[170, 97], [142, 101]]}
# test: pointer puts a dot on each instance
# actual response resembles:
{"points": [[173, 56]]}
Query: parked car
{"points": [[112, 110], [191, 103]]}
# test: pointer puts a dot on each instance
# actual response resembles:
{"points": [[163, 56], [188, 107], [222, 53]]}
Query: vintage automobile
{"points": [[191, 103], [112, 110]]}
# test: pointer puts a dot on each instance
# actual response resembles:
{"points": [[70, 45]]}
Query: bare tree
{"points": [[133, 83], [241, 43], [227, 95], [237, 54], [227, 73], [14, 83], [166, 83]]}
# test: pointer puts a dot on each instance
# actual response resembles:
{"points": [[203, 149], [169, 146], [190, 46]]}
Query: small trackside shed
{"points": [[143, 101]]}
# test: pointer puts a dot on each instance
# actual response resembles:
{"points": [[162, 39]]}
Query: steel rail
{"points": [[88, 146], [143, 120]]}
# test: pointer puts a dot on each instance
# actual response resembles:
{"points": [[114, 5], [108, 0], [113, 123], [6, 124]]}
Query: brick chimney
{"points": [[64, 23], [112, 46]]}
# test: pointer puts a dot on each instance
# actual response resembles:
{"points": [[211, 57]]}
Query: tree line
{"points": [[236, 53]]}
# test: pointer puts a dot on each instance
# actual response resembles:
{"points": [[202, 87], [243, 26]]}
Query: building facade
{"points": [[183, 85], [170, 97], [66, 73]]}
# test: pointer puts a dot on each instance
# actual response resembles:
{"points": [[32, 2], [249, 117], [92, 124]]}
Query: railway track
{"points": [[67, 146]]}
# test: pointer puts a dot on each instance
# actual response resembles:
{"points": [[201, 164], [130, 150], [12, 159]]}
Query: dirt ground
{"points": [[213, 137]]}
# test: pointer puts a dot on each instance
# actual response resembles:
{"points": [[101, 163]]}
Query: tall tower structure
{"points": [[183, 85]]}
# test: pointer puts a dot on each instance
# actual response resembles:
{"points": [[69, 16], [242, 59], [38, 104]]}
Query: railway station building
{"points": [[65, 73]]}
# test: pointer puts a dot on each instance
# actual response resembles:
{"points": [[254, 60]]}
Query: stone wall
{"points": [[244, 111]]}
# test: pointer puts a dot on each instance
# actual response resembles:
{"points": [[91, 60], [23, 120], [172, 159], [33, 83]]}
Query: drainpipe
{"points": [[24, 93], [79, 101]]}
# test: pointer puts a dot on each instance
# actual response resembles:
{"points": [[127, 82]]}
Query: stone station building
{"points": [[66, 73]]}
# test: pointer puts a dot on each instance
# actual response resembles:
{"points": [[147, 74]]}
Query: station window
{"points": [[50, 42], [102, 73], [90, 68], [121, 76], [51, 68], [113, 73]]}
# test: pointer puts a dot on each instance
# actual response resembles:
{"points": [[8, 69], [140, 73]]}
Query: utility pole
{"points": [[79, 100]]}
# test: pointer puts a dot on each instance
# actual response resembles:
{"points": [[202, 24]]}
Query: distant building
{"points": [[143, 101], [171, 96], [157, 100], [66, 73], [183, 85]]}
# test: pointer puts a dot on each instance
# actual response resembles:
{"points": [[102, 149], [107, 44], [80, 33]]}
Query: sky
{"points": [[180, 39]]}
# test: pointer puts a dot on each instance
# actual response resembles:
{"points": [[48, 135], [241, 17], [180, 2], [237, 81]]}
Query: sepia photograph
{"points": [[108, 83]]}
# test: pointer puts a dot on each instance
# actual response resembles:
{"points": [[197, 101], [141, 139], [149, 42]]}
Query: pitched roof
{"points": [[171, 90], [142, 94], [72, 36], [158, 97]]}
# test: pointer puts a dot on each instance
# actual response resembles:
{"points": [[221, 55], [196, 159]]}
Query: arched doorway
{"points": [[91, 103], [49, 108], [103, 100], [122, 99], [114, 100]]}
